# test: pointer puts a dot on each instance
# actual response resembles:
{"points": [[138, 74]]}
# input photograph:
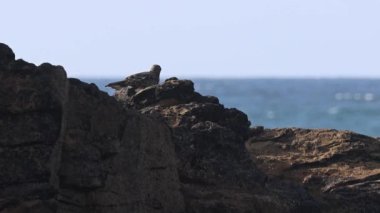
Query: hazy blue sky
{"points": [[220, 38]]}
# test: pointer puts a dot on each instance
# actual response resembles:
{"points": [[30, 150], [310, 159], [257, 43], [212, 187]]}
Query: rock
{"points": [[215, 169], [256, 130], [110, 163], [68, 147], [200, 125], [341, 169], [172, 92], [31, 127], [6, 54]]}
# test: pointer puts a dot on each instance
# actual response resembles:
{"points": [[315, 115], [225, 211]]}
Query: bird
{"points": [[139, 81]]}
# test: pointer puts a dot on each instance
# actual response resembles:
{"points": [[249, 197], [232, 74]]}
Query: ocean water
{"points": [[343, 104]]}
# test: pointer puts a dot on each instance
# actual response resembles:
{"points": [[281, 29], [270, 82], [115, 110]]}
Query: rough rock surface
{"points": [[341, 169], [65, 146], [215, 169], [31, 122]]}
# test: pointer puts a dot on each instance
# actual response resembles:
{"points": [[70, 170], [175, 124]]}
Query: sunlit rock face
{"points": [[339, 168]]}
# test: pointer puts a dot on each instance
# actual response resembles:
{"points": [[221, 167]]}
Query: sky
{"points": [[198, 38]]}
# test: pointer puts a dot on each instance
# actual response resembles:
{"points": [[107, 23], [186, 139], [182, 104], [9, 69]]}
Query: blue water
{"points": [[344, 104]]}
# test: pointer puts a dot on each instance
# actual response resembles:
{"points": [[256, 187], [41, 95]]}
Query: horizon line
{"points": [[242, 77]]}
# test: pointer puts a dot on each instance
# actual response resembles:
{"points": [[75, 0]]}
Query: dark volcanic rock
{"points": [[110, 163], [65, 146], [68, 147], [172, 92], [341, 169], [208, 136], [6, 54], [215, 170], [31, 128]]}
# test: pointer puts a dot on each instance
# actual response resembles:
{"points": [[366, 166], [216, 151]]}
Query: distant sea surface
{"points": [[343, 104]]}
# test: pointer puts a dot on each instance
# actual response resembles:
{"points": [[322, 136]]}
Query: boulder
{"points": [[66, 146], [341, 169], [115, 160], [32, 125], [6, 54], [172, 92], [215, 170]]}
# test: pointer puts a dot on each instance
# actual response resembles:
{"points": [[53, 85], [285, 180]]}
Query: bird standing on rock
{"points": [[140, 80]]}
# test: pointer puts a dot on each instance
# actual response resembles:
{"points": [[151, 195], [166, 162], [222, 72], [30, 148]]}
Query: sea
{"points": [[342, 104]]}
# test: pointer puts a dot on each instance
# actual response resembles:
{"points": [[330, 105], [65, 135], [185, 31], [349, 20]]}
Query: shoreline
{"points": [[69, 147]]}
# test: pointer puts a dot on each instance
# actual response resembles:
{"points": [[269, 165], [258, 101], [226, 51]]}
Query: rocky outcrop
{"points": [[341, 169], [110, 162], [215, 170], [208, 136], [68, 147], [31, 128]]}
